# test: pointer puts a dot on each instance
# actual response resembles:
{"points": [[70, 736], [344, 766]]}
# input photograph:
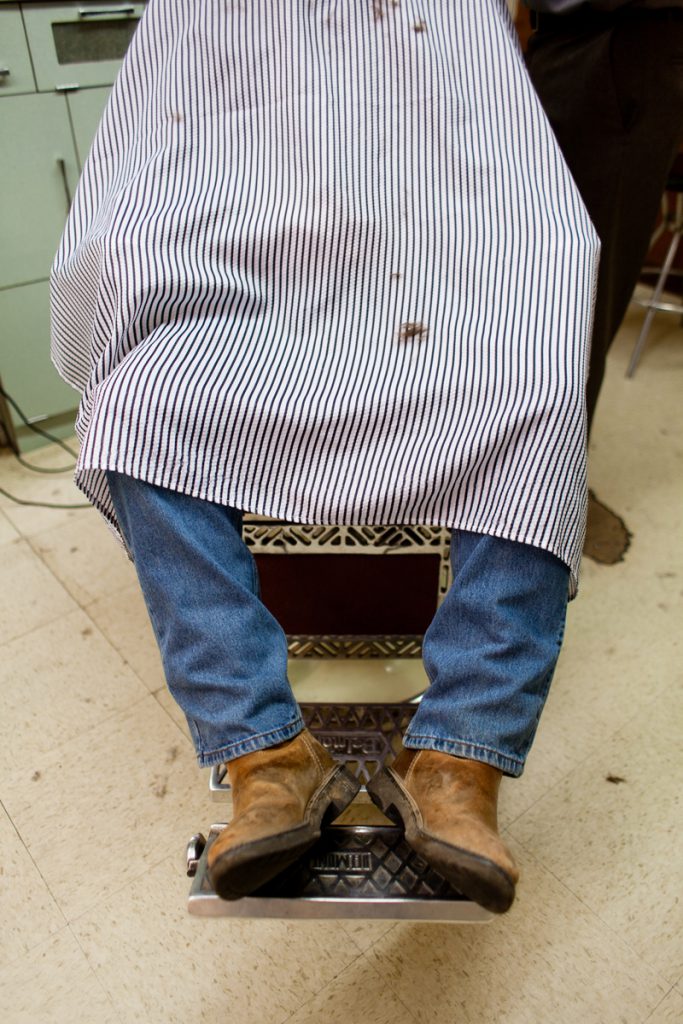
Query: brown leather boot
{"points": [[448, 807], [280, 798]]}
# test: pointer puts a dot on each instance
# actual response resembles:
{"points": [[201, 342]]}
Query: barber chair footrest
{"points": [[353, 871]]}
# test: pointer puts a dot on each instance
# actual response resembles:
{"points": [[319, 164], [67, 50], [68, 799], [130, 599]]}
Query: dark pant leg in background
{"points": [[612, 88]]}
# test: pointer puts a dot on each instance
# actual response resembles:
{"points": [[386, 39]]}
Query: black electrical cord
{"points": [[43, 433], [39, 469], [39, 504], [42, 469]]}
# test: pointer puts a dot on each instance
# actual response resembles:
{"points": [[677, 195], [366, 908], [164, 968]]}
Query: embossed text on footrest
{"points": [[364, 737]]}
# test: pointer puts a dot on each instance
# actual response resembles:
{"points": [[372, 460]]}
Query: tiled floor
{"points": [[99, 790]]}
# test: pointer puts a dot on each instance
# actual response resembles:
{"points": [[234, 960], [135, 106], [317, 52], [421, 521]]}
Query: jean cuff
{"points": [[209, 758], [511, 766]]}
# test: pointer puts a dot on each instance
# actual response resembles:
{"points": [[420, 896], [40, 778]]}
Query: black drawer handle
{"points": [[103, 12], [61, 163]]}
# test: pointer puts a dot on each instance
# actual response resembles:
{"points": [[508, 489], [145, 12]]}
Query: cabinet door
{"points": [[39, 172], [27, 372], [86, 106], [79, 44], [15, 63]]}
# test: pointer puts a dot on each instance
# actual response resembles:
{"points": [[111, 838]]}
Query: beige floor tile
{"points": [[607, 672], [545, 765], [159, 964], [29, 520], [357, 996], [548, 959], [122, 617], [86, 558], [29, 913], [30, 596], [54, 489], [365, 933], [7, 531], [109, 804], [166, 701], [50, 454], [636, 421], [616, 845], [603, 678], [669, 1011], [54, 984], [57, 682], [636, 461]]}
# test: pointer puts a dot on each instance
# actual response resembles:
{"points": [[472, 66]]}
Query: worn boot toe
{"points": [[448, 808], [281, 797]]}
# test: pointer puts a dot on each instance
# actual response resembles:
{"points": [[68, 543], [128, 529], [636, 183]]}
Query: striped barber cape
{"points": [[326, 263]]}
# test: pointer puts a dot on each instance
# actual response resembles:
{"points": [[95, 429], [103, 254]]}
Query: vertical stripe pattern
{"points": [[325, 262]]}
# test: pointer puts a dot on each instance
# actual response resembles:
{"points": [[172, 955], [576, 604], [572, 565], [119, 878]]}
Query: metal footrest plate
{"points": [[353, 871], [364, 737]]}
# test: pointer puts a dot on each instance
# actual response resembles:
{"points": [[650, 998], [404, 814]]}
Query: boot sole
{"points": [[242, 870], [476, 877]]}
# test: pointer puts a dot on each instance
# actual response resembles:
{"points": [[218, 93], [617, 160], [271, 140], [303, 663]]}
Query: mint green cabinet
{"points": [[86, 107], [27, 372], [39, 172], [58, 62], [78, 43], [16, 74]]}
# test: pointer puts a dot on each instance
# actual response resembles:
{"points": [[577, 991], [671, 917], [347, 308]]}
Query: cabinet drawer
{"points": [[15, 63], [79, 44]]}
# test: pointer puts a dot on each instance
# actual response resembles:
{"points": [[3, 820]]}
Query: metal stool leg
{"points": [[677, 229]]}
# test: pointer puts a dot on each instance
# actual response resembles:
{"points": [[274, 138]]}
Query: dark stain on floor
{"points": [[607, 536], [159, 787]]}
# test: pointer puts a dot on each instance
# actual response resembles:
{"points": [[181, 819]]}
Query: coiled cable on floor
{"points": [[43, 433], [40, 469]]}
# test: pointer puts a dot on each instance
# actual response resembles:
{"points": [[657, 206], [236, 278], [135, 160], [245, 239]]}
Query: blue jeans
{"points": [[490, 651]]}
